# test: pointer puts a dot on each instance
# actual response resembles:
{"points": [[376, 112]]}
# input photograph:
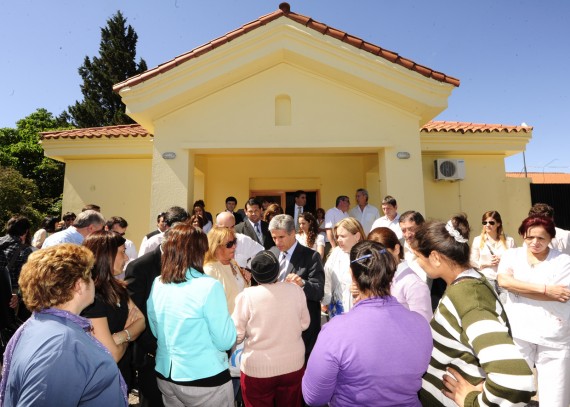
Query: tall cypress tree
{"points": [[116, 62]]}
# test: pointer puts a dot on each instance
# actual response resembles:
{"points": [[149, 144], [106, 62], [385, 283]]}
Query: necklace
{"points": [[533, 260]]}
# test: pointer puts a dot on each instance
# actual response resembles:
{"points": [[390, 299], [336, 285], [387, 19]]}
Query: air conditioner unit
{"points": [[449, 169]]}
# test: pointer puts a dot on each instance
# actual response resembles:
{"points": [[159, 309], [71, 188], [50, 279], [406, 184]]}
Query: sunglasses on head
{"points": [[231, 244], [491, 222]]}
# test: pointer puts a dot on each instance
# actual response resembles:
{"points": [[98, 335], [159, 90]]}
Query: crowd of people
{"points": [[271, 307]]}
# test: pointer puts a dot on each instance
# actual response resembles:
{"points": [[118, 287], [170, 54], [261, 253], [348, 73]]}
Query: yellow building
{"points": [[285, 103]]}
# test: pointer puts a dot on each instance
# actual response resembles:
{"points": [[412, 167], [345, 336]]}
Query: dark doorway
{"points": [[287, 198], [557, 196]]}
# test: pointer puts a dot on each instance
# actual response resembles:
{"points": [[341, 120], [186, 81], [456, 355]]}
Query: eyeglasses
{"points": [[491, 222], [231, 244]]}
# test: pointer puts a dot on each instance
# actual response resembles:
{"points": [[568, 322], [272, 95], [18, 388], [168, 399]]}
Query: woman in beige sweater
{"points": [[220, 263], [270, 318]]}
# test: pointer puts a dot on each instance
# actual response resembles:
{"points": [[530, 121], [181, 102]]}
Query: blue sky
{"points": [[512, 56]]}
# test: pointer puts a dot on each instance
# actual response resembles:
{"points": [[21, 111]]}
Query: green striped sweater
{"points": [[471, 334]]}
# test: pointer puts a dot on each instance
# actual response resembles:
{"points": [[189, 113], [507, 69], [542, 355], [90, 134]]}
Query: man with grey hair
{"points": [[302, 266], [87, 222], [363, 212]]}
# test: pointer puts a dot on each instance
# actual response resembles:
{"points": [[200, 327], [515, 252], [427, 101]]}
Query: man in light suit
{"points": [[302, 266], [253, 226]]}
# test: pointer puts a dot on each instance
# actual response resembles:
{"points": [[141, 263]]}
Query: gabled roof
{"points": [[465, 127], [136, 130], [285, 11], [127, 130]]}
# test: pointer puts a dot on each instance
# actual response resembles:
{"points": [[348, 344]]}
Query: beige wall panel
{"points": [[484, 188], [234, 175], [324, 114], [120, 186], [519, 202]]}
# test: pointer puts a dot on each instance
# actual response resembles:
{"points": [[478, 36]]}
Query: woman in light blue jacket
{"points": [[188, 314]]}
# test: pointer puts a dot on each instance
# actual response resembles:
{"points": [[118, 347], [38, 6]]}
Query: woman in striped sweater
{"points": [[474, 361]]}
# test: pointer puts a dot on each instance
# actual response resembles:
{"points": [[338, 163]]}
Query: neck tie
{"points": [[282, 266], [258, 232]]}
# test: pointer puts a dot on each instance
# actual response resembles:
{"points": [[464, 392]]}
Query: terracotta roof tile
{"points": [[465, 127], [285, 11], [127, 130], [136, 130], [543, 177], [315, 25]]}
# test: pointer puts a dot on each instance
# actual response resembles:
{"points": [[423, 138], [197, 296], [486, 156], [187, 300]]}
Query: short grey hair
{"points": [[87, 218], [282, 222]]}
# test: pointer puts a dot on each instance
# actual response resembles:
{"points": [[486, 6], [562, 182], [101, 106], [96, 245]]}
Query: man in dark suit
{"points": [[298, 207], [140, 275], [253, 226], [302, 266]]}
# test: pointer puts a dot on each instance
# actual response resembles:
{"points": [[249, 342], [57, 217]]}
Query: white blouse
{"points": [[302, 238], [483, 255]]}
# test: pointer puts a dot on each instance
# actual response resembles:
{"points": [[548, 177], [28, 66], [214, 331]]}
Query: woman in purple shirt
{"points": [[377, 353]]}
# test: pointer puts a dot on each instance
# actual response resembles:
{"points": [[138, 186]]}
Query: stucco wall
{"points": [[120, 186], [484, 188], [329, 121]]}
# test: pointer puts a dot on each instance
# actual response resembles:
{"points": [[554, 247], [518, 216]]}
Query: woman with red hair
{"points": [[537, 279]]}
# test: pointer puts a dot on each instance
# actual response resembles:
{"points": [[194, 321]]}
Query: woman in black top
{"points": [[116, 320]]}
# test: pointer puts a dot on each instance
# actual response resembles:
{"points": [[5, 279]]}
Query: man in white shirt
{"points": [[409, 223], [119, 225], [87, 222], [366, 214], [561, 241], [391, 219], [332, 216], [246, 247], [160, 228], [171, 216]]}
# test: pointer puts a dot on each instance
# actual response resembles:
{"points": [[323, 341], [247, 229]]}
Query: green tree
{"points": [[17, 195], [116, 62], [20, 149]]}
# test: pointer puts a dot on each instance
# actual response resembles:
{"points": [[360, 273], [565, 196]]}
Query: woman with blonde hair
{"points": [[338, 281], [220, 263], [488, 247]]}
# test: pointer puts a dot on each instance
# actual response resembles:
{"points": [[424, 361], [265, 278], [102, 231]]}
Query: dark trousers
{"points": [[149, 394], [279, 391]]}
